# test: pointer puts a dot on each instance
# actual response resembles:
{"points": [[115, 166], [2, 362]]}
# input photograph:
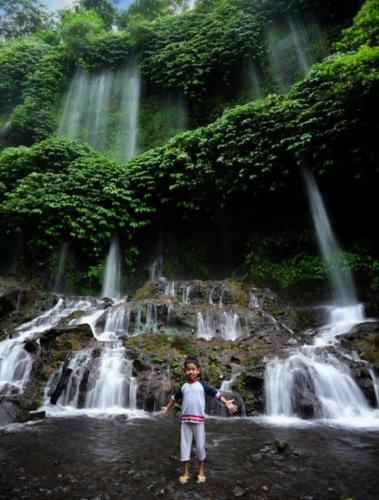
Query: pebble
{"points": [[238, 491], [265, 488]]}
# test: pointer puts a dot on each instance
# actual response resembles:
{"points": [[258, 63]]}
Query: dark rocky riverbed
{"points": [[88, 458]]}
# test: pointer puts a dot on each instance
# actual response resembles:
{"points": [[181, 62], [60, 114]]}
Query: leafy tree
{"points": [[18, 59], [150, 10], [22, 18], [103, 8], [78, 29], [365, 29]]}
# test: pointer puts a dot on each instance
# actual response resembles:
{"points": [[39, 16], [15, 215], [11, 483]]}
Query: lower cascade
{"points": [[313, 383], [98, 377]]}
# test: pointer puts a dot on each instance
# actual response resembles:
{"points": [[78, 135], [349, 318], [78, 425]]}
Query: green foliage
{"points": [[287, 259], [22, 18], [190, 51], [107, 50], [149, 10], [78, 29], [365, 29], [103, 8], [49, 156], [18, 59], [250, 150], [85, 201], [37, 117], [60, 190]]}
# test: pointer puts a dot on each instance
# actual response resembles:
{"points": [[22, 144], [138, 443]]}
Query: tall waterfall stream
{"points": [[313, 374]]}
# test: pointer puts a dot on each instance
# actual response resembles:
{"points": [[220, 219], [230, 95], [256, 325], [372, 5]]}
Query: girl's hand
{"points": [[164, 410], [230, 405]]}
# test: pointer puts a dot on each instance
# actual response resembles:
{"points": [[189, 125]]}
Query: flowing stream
{"points": [[15, 361], [103, 108], [312, 382], [98, 378], [112, 274]]}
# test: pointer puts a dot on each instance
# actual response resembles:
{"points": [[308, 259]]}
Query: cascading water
{"points": [[112, 274], [93, 101], [186, 294], [289, 52], [98, 378], [60, 270], [170, 289], [312, 382], [254, 81], [15, 362], [342, 285], [108, 386], [155, 269], [150, 322], [225, 325], [375, 382]]}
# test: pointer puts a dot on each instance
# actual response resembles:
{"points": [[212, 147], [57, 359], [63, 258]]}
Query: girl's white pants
{"points": [[187, 433]]}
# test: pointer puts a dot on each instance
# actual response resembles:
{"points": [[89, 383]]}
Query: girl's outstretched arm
{"points": [[168, 407], [229, 404]]}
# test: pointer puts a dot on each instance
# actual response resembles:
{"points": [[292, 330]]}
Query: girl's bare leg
{"points": [[202, 468], [185, 467]]}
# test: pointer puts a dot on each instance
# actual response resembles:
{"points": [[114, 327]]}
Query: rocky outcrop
{"points": [[162, 325]]}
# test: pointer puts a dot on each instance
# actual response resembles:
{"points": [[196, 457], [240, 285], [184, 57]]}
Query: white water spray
{"points": [[112, 274]]}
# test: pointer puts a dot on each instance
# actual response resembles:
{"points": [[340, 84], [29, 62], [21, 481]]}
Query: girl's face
{"points": [[191, 371]]}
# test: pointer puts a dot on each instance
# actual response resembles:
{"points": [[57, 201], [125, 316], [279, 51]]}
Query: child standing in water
{"points": [[192, 394]]}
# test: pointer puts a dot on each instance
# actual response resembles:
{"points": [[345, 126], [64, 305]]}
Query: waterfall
{"points": [[230, 327], [150, 325], [15, 362], [341, 280], [205, 327], [108, 384], [60, 270], [186, 294], [254, 82], [307, 385], [253, 301], [375, 382], [129, 88], [170, 289], [155, 269], [102, 109], [225, 325], [311, 382], [289, 53], [112, 274], [227, 385], [98, 378]]}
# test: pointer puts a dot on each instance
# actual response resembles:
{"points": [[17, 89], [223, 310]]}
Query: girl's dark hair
{"points": [[191, 361]]}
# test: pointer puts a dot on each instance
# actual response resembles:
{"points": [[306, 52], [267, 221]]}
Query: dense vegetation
{"points": [[199, 54], [61, 190]]}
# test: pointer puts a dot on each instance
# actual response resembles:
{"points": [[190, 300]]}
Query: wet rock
{"points": [[362, 329], [66, 337], [254, 378], [281, 445], [140, 365], [31, 346], [238, 491], [12, 410], [304, 399], [62, 383], [37, 415]]}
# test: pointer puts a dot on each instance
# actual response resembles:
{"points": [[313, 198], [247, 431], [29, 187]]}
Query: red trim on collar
{"points": [[191, 381]]}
